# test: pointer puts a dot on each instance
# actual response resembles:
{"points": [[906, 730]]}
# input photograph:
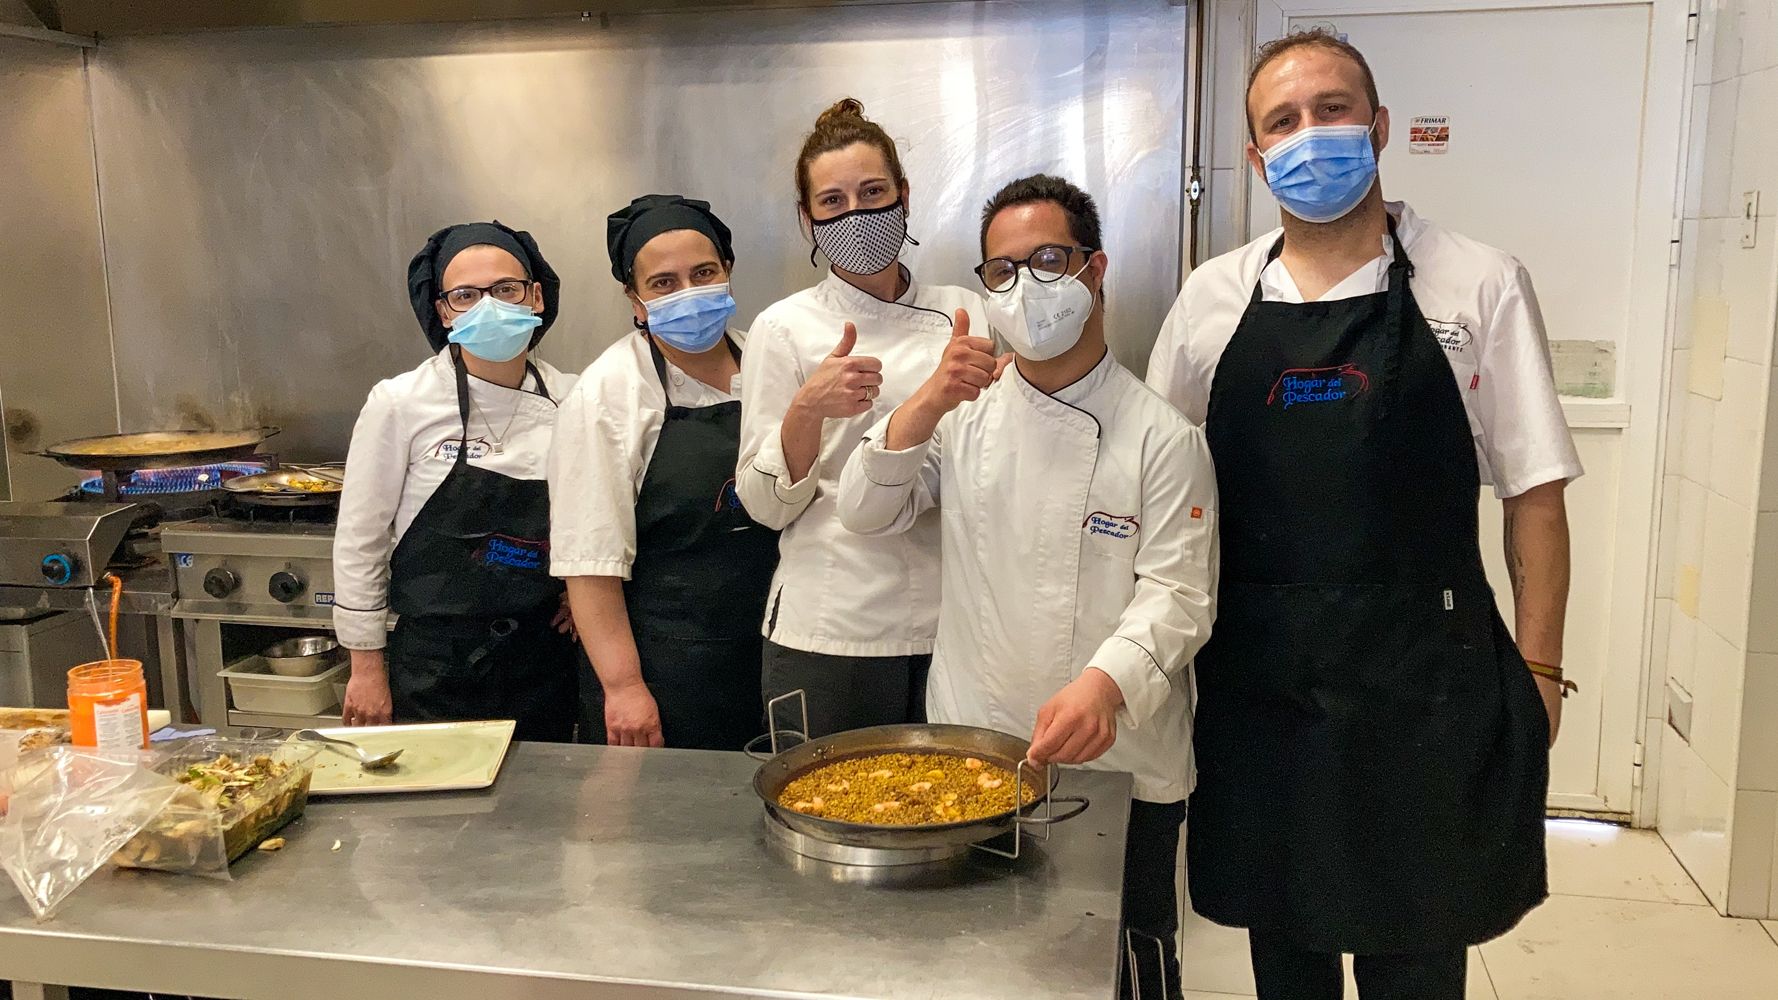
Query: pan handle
{"points": [[772, 730], [1080, 803], [270, 431], [1049, 817]]}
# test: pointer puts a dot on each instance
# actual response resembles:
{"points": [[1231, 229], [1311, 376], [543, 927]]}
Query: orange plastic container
{"points": [[108, 705]]}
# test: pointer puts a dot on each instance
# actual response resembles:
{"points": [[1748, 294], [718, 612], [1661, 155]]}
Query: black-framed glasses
{"points": [[511, 291], [1047, 263]]}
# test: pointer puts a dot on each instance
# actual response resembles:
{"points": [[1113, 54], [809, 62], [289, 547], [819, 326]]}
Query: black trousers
{"points": [[1151, 903], [844, 692], [1282, 971]]}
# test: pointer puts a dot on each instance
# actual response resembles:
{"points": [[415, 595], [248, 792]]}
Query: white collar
{"points": [[1065, 403], [844, 298], [1281, 284], [443, 367]]}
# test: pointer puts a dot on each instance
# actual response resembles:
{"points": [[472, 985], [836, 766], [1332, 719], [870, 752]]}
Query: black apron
{"points": [[470, 580], [697, 589], [1372, 751]]}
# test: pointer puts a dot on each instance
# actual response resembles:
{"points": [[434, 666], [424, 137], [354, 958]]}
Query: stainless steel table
{"points": [[588, 872]]}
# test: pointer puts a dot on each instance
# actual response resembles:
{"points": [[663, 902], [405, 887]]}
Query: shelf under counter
{"points": [[260, 720]]}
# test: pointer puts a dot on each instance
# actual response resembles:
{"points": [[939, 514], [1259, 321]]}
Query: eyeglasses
{"points": [[512, 291], [1047, 263]]}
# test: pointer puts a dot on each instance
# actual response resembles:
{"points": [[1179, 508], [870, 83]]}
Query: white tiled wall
{"points": [[1717, 568]]}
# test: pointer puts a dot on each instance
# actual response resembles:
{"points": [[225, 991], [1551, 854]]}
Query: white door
{"points": [[1552, 153]]}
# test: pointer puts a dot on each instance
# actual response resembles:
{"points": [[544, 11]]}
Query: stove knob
{"points": [[286, 586], [220, 583], [59, 568]]}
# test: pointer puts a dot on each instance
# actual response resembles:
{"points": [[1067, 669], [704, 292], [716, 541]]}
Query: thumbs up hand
{"points": [[844, 385], [967, 367]]}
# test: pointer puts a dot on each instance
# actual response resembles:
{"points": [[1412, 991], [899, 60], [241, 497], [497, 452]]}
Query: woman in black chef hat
{"points": [[667, 573], [445, 515]]}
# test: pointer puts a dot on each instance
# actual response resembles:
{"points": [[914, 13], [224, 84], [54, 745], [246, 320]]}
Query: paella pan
{"points": [[158, 449], [910, 753]]}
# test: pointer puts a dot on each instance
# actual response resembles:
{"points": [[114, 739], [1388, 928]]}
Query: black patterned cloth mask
{"points": [[864, 240]]}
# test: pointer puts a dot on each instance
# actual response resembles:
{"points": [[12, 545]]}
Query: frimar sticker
{"points": [[1429, 134]]}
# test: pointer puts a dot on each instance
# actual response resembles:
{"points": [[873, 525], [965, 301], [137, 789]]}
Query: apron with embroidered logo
{"points": [[1371, 749], [470, 580]]}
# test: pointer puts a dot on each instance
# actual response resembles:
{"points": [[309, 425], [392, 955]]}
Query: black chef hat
{"points": [[628, 230], [425, 273]]}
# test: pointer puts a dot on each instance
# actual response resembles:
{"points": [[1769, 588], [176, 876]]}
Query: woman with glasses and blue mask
{"points": [[445, 515], [666, 571]]}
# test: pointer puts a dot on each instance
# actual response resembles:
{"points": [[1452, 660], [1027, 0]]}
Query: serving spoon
{"points": [[369, 761]]}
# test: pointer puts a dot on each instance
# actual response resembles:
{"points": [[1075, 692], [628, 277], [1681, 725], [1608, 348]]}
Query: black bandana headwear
{"points": [[425, 273], [628, 230]]}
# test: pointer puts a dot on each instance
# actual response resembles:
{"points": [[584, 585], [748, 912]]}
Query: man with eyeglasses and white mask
{"points": [[1372, 744], [1078, 542]]}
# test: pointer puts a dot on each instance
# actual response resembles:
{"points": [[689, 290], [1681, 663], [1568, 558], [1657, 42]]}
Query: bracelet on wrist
{"points": [[1549, 672]]}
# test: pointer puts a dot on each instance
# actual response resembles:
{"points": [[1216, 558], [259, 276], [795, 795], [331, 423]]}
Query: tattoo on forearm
{"points": [[1515, 562]]}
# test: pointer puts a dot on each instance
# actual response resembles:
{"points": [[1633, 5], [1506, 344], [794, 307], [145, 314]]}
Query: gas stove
{"points": [[246, 578], [269, 567], [70, 544]]}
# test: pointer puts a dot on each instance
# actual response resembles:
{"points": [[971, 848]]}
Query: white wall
{"points": [[1716, 608]]}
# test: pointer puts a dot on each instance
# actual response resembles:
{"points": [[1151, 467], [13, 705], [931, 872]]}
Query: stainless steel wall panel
{"points": [[264, 190], [55, 345]]}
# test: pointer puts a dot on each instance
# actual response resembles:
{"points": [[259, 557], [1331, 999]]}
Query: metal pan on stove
{"points": [[158, 449], [289, 487]]}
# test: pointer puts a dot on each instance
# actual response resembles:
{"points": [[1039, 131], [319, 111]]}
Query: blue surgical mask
{"points": [[494, 330], [1323, 171], [693, 319]]}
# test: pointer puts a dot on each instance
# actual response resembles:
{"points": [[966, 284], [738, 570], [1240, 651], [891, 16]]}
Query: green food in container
{"points": [[233, 795]]}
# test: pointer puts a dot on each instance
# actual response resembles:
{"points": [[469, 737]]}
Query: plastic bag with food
{"points": [[69, 810], [232, 794]]}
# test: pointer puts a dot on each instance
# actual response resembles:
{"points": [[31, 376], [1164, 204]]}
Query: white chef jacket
{"points": [[402, 448], [1079, 531], [605, 438], [836, 592], [1479, 303]]}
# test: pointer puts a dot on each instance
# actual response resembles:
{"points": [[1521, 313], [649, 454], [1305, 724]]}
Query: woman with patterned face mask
{"points": [[445, 516], [666, 572], [850, 620]]}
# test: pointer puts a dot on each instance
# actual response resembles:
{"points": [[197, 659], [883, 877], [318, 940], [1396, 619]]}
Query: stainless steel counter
{"points": [[588, 872]]}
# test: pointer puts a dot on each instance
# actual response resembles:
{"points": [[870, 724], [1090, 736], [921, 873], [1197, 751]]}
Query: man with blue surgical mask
{"points": [[445, 516], [666, 571], [1078, 540], [1372, 743]]}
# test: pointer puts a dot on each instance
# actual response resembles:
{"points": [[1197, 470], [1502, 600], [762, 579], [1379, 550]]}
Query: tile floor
{"points": [[1623, 922]]}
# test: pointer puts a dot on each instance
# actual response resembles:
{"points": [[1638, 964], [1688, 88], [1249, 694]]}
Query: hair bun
{"points": [[843, 124], [844, 109]]}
